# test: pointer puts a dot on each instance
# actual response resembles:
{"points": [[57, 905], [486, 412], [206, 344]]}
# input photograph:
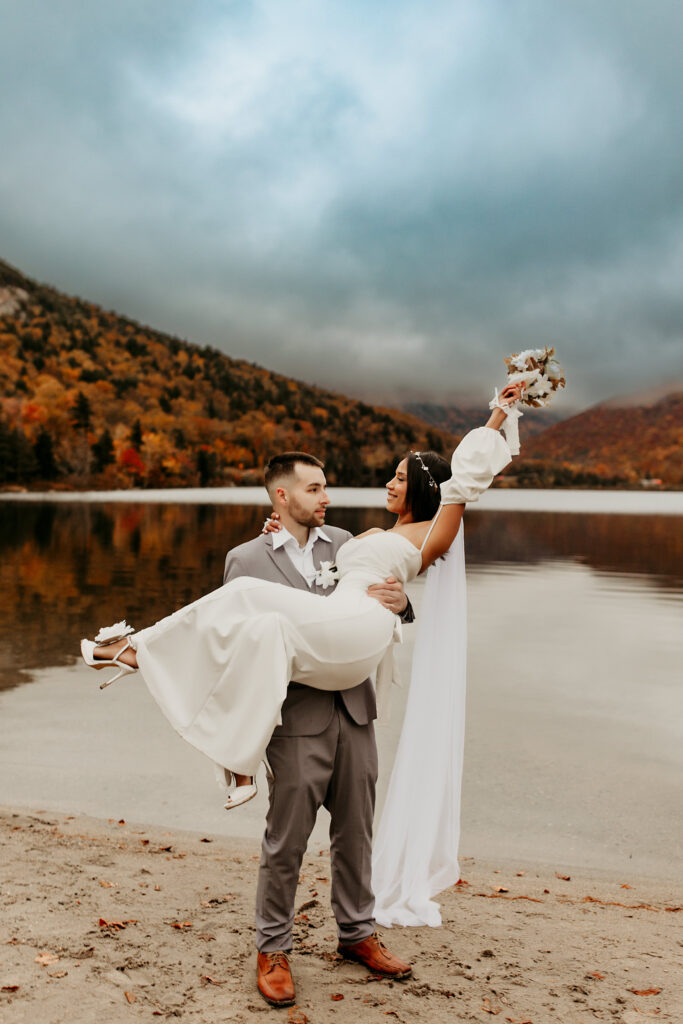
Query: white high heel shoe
{"points": [[238, 795], [105, 637]]}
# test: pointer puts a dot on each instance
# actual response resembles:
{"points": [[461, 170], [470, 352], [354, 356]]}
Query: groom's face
{"points": [[307, 499]]}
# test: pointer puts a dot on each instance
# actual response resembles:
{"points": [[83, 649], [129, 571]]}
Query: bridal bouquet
{"points": [[540, 373]]}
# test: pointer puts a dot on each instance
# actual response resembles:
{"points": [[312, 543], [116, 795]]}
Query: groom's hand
{"points": [[390, 594]]}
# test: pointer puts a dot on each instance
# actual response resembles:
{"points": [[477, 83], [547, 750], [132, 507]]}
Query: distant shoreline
{"points": [[610, 501]]}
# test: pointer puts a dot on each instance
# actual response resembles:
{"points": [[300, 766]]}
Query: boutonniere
{"points": [[327, 575]]}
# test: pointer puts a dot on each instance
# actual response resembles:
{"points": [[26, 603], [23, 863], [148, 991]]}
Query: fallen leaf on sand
{"points": [[121, 821], [595, 974], [10, 988], [519, 875], [206, 840], [180, 925], [336, 996], [129, 996], [502, 896], [501, 888], [626, 886], [157, 888], [612, 903], [488, 1008], [107, 885], [563, 878], [116, 925], [461, 881], [645, 991], [57, 974], [46, 958], [208, 980]]}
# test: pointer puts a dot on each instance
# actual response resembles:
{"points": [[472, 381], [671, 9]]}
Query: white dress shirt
{"points": [[301, 558]]}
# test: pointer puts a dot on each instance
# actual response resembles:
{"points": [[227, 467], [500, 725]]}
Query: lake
{"points": [[574, 733]]}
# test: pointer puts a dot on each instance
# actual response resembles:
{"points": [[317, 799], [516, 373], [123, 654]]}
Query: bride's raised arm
{"points": [[479, 457]]}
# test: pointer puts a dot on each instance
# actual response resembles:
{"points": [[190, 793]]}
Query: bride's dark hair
{"points": [[426, 470]]}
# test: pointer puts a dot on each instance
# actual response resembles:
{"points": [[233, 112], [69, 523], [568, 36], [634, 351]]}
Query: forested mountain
{"points": [[89, 398], [459, 418], [633, 443]]}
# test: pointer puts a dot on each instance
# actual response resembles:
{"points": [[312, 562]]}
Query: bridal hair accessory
{"points": [[432, 481], [327, 575], [539, 372], [110, 634]]}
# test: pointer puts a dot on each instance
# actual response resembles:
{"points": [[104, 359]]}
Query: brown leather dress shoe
{"points": [[274, 978], [376, 957]]}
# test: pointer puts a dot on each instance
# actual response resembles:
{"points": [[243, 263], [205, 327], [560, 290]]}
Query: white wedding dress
{"points": [[219, 667]]}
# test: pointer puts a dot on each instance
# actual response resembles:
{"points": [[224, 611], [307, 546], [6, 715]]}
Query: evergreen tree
{"points": [[45, 456], [206, 466], [136, 435], [18, 462], [82, 410], [103, 451]]}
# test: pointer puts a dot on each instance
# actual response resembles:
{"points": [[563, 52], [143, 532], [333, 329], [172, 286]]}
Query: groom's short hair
{"points": [[284, 465]]}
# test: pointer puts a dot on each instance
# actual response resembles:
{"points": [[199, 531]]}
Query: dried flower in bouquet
{"points": [[540, 373]]}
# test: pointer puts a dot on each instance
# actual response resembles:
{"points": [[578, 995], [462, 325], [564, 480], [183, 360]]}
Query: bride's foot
{"points": [[241, 789], [120, 651], [112, 646]]}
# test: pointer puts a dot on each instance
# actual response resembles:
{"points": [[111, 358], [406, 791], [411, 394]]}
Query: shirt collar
{"points": [[283, 536]]}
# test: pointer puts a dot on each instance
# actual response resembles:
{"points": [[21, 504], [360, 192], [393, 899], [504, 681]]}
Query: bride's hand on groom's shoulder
{"points": [[272, 524]]}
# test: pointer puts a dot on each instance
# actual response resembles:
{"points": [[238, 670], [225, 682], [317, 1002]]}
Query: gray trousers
{"points": [[336, 769]]}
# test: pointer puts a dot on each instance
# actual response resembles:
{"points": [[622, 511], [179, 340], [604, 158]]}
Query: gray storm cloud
{"points": [[380, 198]]}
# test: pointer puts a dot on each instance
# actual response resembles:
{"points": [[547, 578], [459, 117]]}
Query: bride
{"points": [[219, 667]]}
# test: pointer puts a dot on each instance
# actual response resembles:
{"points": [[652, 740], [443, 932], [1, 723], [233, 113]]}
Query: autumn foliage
{"points": [[92, 399], [625, 446]]}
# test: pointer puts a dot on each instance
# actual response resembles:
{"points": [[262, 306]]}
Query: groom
{"points": [[323, 754]]}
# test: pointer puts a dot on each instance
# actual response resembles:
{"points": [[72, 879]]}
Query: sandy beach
{"points": [[108, 920]]}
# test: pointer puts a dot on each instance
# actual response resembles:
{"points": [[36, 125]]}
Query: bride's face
{"points": [[397, 488]]}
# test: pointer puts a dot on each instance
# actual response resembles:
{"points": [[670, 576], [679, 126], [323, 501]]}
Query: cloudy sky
{"points": [[380, 196]]}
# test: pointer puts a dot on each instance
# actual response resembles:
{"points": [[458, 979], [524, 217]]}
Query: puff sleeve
{"points": [[479, 457]]}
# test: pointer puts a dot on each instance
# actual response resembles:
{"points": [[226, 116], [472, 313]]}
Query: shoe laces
{"points": [[279, 959]]}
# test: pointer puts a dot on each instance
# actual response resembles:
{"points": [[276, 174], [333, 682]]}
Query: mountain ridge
{"points": [[91, 398]]}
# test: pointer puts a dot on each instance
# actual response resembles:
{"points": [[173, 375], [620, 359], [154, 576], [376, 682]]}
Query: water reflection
{"points": [[65, 570], [648, 547]]}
